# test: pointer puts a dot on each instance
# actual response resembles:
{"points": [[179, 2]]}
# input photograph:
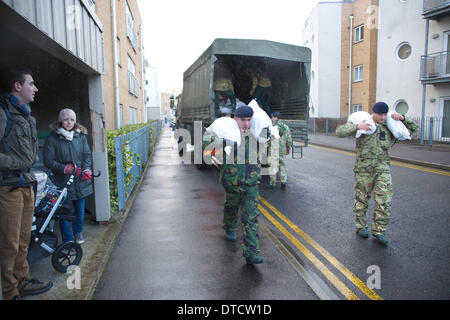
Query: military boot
{"points": [[283, 186], [363, 233], [382, 239], [254, 259], [230, 236]]}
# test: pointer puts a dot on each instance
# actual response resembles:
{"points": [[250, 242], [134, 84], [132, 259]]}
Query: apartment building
{"points": [[401, 40], [359, 32], [343, 39], [322, 34], [123, 55], [166, 111], [435, 69], [152, 93]]}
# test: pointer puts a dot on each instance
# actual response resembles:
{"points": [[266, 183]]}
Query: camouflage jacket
{"points": [[259, 79], [236, 175], [372, 151], [223, 84], [285, 140]]}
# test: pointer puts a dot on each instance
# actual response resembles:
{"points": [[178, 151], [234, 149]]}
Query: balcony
{"points": [[435, 9], [435, 68]]}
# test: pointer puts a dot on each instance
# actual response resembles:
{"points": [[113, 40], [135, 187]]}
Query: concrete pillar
{"points": [[99, 148]]}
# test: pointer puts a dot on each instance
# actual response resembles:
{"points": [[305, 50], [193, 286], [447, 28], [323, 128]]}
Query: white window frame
{"points": [[358, 73], [133, 115], [357, 107], [120, 116], [441, 115], [359, 33]]}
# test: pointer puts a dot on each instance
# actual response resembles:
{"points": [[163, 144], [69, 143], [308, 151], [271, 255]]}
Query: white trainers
{"points": [[79, 238]]}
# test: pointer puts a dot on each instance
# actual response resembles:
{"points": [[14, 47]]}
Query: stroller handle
{"points": [[74, 172]]}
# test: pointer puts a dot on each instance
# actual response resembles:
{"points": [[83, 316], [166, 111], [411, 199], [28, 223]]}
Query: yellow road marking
{"points": [[319, 265], [348, 274], [397, 163]]}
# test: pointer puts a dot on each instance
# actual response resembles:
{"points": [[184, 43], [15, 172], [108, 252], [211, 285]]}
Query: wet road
{"points": [[172, 245], [319, 200]]}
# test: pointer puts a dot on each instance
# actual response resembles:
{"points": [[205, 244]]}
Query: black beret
{"points": [[380, 107], [276, 114], [244, 111]]}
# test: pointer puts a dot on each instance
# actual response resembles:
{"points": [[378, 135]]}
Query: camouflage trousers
{"points": [[283, 173], [380, 184], [247, 202]]}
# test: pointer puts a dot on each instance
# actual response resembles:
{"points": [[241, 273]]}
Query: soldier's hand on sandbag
{"points": [[363, 126], [397, 116]]}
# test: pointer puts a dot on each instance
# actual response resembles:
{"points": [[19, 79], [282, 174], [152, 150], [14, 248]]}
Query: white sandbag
{"points": [[275, 132], [260, 120], [397, 128], [360, 116], [225, 128]]}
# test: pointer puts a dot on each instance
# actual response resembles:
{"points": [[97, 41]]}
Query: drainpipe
{"points": [[424, 88], [116, 67], [350, 67]]}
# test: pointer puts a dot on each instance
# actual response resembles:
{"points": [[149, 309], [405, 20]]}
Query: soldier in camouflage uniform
{"points": [[223, 90], [260, 87], [240, 180], [285, 145], [372, 170]]}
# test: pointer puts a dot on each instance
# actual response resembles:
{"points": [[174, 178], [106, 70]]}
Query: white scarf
{"points": [[66, 134]]}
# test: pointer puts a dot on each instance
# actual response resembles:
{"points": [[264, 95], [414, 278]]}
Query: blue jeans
{"points": [[68, 229]]}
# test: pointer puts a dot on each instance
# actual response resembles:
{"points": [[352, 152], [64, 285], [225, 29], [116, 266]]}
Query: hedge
{"points": [[110, 138]]}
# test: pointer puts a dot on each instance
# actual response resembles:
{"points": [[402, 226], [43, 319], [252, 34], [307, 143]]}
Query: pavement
{"points": [[100, 239]]}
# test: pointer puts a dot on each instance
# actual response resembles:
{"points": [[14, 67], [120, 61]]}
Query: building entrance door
{"points": [[445, 112]]}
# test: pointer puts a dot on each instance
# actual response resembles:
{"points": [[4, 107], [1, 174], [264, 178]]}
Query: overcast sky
{"points": [[177, 32]]}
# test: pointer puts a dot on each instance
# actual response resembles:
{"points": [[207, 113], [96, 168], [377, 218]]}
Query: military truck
{"points": [[287, 66]]}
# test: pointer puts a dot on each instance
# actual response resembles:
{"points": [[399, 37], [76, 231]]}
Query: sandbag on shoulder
{"points": [[397, 128], [226, 128], [360, 116]]}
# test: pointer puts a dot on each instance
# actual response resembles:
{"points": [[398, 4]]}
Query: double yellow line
{"points": [[348, 294], [393, 162]]}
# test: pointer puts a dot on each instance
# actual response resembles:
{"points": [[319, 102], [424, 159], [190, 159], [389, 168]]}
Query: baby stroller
{"points": [[51, 205]]}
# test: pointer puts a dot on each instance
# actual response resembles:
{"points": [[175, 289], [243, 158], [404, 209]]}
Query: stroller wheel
{"points": [[69, 253]]}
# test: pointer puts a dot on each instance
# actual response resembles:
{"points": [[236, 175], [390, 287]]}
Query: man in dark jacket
{"points": [[18, 152]]}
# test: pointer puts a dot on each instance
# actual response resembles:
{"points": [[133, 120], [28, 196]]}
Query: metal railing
{"points": [[436, 129], [435, 66], [430, 5], [137, 143]]}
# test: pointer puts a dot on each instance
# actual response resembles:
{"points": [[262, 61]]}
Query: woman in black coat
{"points": [[67, 144]]}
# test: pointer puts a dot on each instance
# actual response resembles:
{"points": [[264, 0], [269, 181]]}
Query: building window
{"points": [[358, 73], [133, 84], [132, 115], [401, 106], [403, 50], [130, 28], [357, 107], [359, 33], [120, 116]]}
